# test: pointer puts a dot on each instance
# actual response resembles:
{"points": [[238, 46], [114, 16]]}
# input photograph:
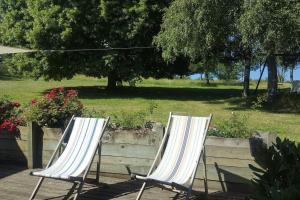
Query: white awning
{"points": [[11, 50]]}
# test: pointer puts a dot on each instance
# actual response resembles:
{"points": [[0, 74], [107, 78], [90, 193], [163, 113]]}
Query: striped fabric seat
{"points": [[181, 156], [82, 144]]}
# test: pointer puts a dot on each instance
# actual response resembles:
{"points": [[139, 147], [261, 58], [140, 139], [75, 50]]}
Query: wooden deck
{"points": [[17, 184]]}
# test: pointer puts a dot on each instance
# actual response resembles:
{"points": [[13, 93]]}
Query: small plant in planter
{"points": [[140, 121], [234, 127], [54, 108], [9, 116]]}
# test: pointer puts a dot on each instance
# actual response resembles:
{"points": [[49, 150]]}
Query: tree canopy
{"points": [[75, 24], [273, 27], [207, 30], [211, 36], [197, 29]]}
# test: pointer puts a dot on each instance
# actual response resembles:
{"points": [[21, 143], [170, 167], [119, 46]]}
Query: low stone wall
{"points": [[127, 151]]}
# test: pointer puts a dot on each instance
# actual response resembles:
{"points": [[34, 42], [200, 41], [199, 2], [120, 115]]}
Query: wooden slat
{"points": [[227, 142], [12, 144], [13, 156], [225, 173], [230, 162], [49, 145], [147, 162], [129, 150], [116, 160], [229, 152], [131, 137], [52, 134], [24, 131]]}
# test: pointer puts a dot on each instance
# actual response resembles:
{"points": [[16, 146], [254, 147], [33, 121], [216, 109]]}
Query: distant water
{"points": [[255, 74]]}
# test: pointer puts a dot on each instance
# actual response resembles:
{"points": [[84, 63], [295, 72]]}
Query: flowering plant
{"points": [[9, 119], [54, 108]]}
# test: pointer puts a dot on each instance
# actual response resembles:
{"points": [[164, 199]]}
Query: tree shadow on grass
{"points": [[210, 95], [9, 78]]}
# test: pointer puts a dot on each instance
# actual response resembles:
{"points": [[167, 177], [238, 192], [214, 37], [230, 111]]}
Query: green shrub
{"points": [[287, 102], [280, 178], [152, 107], [283, 102], [234, 127], [130, 120], [260, 101], [134, 120], [54, 108], [94, 113]]}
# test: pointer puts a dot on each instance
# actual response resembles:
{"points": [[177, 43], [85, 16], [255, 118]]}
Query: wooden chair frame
{"points": [[192, 178], [81, 181]]}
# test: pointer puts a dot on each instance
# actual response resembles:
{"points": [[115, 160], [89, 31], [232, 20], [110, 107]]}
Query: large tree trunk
{"points": [[112, 80], [246, 79], [292, 74], [206, 77], [272, 78]]}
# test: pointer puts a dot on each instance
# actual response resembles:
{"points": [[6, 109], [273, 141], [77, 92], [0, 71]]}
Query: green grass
{"points": [[190, 97]]}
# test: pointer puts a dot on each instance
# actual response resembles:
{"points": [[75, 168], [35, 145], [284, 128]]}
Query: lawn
{"points": [[190, 97]]}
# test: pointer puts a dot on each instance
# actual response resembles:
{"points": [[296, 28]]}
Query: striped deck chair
{"points": [[178, 165], [75, 161]]}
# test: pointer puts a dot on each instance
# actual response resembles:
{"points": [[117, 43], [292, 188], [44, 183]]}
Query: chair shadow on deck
{"points": [[130, 188], [115, 190]]}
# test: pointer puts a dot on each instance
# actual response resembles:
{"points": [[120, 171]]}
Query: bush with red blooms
{"points": [[54, 108], [9, 116]]}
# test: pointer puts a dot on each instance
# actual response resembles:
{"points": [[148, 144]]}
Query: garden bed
{"points": [[128, 151]]}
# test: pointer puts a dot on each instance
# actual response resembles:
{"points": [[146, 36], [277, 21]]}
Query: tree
{"points": [[204, 31], [229, 71], [75, 24], [13, 22], [290, 62], [206, 67], [130, 23], [197, 29], [273, 27]]}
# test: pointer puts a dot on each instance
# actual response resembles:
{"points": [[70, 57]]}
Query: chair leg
{"points": [[205, 173], [37, 187], [141, 191], [78, 190], [98, 163], [188, 194]]}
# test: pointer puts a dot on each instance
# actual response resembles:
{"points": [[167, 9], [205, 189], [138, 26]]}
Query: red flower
{"points": [[33, 101], [61, 90], [8, 125], [51, 94], [71, 93], [16, 104]]}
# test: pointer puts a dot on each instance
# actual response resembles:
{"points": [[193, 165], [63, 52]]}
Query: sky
{"points": [[255, 74]]}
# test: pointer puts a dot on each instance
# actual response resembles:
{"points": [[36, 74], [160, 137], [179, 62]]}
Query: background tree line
{"points": [[205, 36]]}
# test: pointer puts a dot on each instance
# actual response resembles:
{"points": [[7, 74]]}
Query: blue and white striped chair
{"points": [[177, 168], [78, 155]]}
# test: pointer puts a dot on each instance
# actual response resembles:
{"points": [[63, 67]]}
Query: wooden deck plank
{"points": [[17, 184]]}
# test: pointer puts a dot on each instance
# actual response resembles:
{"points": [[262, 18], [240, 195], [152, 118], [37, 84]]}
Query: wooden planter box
{"points": [[128, 151], [14, 150]]}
